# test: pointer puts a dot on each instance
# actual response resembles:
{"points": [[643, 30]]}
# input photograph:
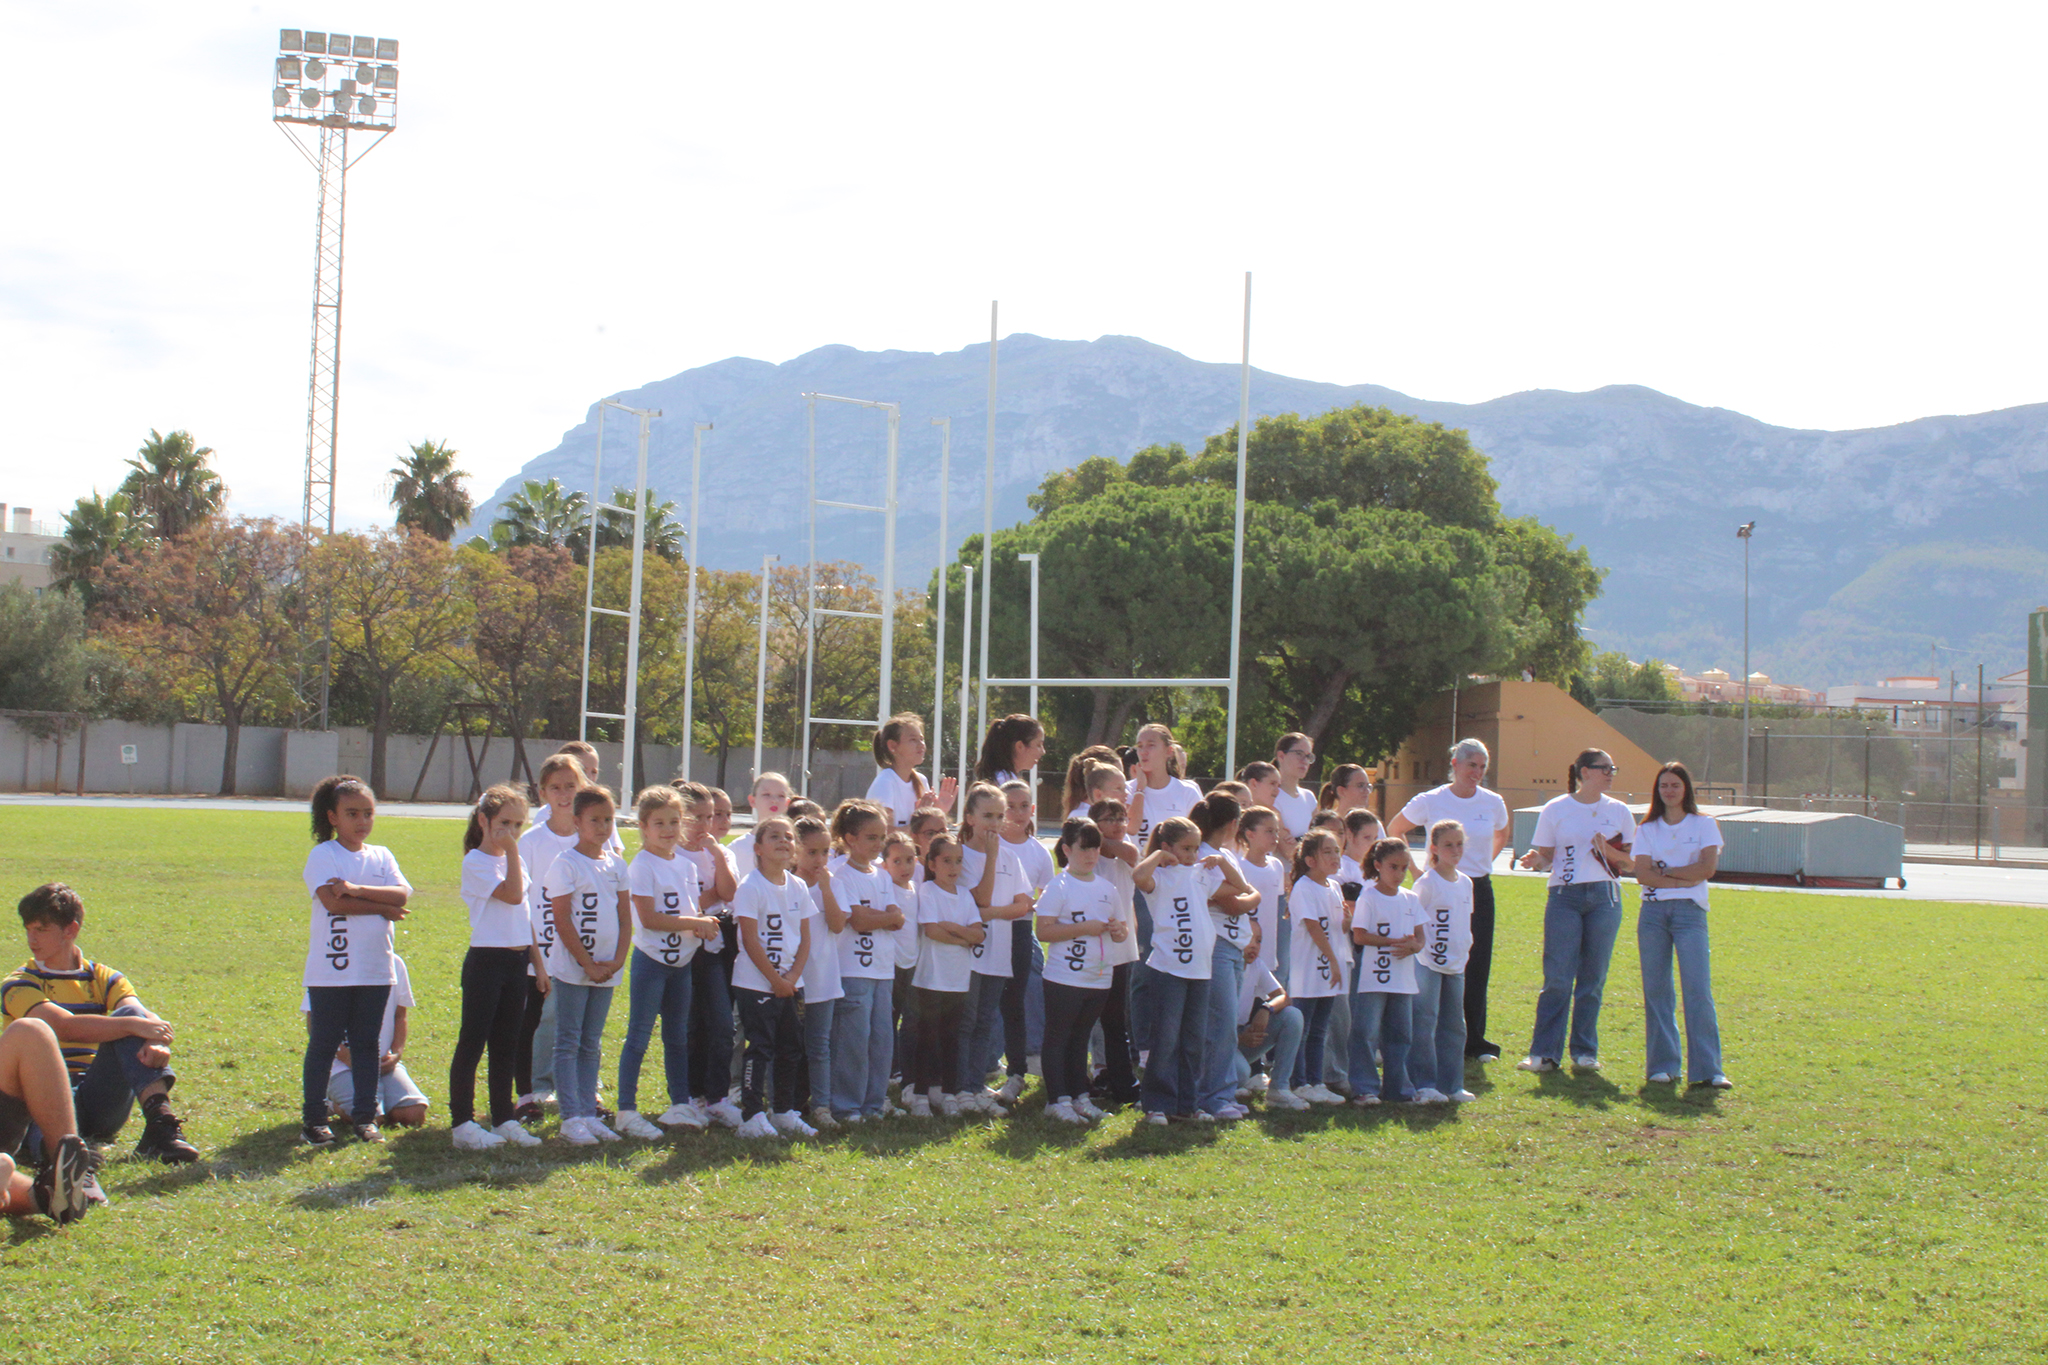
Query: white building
{"points": [[25, 548]]}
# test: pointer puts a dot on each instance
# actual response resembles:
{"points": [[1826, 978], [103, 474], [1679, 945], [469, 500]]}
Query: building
{"points": [[25, 545], [1714, 685], [1533, 730]]}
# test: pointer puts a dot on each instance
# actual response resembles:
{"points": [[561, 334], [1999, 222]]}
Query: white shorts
{"points": [[394, 1091]]}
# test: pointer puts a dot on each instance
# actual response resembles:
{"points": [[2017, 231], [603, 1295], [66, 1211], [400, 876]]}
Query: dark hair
{"points": [[1383, 849], [940, 843], [1340, 777], [1079, 832], [924, 815], [801, 807], [1587, 758], [1325, 819], [1289, 742], [1213, 813], [1077, 772], [487, 807], [999, 747], [52, 903], [1312, 843], [693, 792], [852, 816], [1357, 820], [1171, 830], [1257, 771], [888, 733], [588, 797], [804, 826], [1127, 755], [1656, 810], [1253, 817], [328, 795], [1108, 810]]}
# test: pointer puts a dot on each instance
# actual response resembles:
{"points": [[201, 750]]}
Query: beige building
{"points": [[25, 547], [1533, 730]]}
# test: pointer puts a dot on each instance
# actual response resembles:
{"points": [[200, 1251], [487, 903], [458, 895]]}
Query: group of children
{"points": [[1207, 943]]}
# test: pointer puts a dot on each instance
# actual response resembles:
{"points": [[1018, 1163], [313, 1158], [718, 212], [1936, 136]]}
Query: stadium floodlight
{"points": [[317, 104]]}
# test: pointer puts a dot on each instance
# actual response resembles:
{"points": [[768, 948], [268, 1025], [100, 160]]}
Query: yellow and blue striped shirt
{"points": [[94, 988]]}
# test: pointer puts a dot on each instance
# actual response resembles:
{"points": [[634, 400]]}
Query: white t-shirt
{"points": [[1267, 881], [1310, 972], [538, 849], [349, 950], [1348, 870], [1183, 935], [944, 966], [894, 794], [706, 860], [1259, 985], [1674, 846], [778, 913], [1295, 811], [1118, 874], [1569, 826], [866, 954], [492, 923], [593, 887], [821, 968], [1481, 814], [672, 884], [992, 954], [1235, 929], [1177, 797], [1036, 861], [1069, 900], [1394, 916], [741, 854], [401, 996], [1447, 921]]}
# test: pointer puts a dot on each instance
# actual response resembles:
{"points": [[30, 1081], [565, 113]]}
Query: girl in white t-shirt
{"points": [[993, 876], [560, 778], [1079, 792], [770, 796], [1677, 850], [899, 787], [501, 950], [1293, 757], [711, 1014], [774, 912], [823, 989], [949, 927], [1178, 882], [1436, 1060], [1158, 792], [1078, 914], [1316, 972], [1010, 749], [900, 856], [863, 1034], [357, 894], [1582, 840], [1260, 864], [1386, 927], [669, 930], [1236, 932], [1119, 858], [591, 907]]}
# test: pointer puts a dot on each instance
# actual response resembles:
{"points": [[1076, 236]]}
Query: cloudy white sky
{"points": [[1823, 216]]}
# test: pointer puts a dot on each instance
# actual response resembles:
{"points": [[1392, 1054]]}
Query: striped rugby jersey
{"points": [[94, 988]]}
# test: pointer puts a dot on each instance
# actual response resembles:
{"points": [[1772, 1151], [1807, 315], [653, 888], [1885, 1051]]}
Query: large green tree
{"points": [[428, 491], [171, 487], [95, 529]]}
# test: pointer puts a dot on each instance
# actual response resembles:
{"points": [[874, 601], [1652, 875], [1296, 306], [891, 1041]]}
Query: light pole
{"points": [[334, 83], [1032, 560], [1743, 533], [945, 426], [761, 667], [690, 612]]}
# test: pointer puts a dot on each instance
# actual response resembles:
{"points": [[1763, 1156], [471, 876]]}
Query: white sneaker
{"points": [[597, 1129], [515, 1133], [1012, 1088], [989, 1101], [758, 1126], [920, 1107], [1662, 1078], [949, 1105], [1231, 1113], [1430, 1095], [1365, 1101], [684, 1115], [1201, 1116], [474, 1137], [851, 1120], [633, 1126], [1320, 1094], [1279, 1097], [576, 1132], [1536, 1064], [1063, 1112], [791, 1124], [1461, 1097], [1719, 1082], [1260, 1084], [1089, 1110], [726, 1114], [1586, 1061], [1156, 1119], [821, 1117], [544, 1098]]}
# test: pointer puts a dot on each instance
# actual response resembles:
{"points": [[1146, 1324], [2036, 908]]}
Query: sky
{"points": [[1819, 215]]}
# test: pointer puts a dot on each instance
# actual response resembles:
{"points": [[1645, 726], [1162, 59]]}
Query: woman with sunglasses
{"points": [[1582, 840]]}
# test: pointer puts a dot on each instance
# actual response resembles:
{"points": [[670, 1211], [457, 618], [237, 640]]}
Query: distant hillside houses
{"points": [[1717, 685]]}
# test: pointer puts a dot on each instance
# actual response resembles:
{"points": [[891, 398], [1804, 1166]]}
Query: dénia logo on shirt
{"points": [[1077, 955], [1440, 936], [863, 940], [1383, 960], [1182, 944], [671, 943], [586, 920], [337, 942], [772, 936]]}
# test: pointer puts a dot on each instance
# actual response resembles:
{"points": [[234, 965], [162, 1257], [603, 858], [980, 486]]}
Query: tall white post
{"points": [[803, 740], [888, 676], [1244, 422], [690, 615], [988, 515], [1033, 560], [761, 666], [966, 670], [945, 426], [633, 617], [590, 576]]}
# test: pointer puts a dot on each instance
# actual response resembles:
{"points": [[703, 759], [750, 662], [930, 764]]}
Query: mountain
{"points": [[1869, 544]]}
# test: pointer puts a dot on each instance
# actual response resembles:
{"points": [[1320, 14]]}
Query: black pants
{"points": [[529, 1020], [1120, 1055], [1479, 968], [936, 1057], [775, 1063], [1016, 1046], [493, 1015], [351, 1014], [903, 1017], [1070, 1015], [711, 1021]]}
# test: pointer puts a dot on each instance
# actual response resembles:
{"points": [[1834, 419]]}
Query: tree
{"points": [[95, 530], [1612, 676], [44, 656], [526, 637], [427, 490], [396, 610], [220, 607], [664, 534], [1561, 582], [539, 515], [170, 487]]}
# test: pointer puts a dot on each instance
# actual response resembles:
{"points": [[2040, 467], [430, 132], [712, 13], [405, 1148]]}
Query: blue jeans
{"points": [[656, 990], [820, 1018], [1028, 965], [1337, 1041], [1315, 1022], [544, 1046], [1283, 937], [1180, 1015], [1436, 1055], [981, 1030], [863, 1046], [1381, 1020], [579, 1032], [1141, 978], [104, 1097], [1663, 928], [1219, 1044], [1282, 1045], [1579, 925]]}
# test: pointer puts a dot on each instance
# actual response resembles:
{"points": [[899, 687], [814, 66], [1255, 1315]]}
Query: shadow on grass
{"points": [[1146, 1140], [255, 1155], [1586, 1089], [22, 1231], [1680, 1102]]}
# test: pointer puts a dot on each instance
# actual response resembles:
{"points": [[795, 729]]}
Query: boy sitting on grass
{"points": [[117, 1051]]}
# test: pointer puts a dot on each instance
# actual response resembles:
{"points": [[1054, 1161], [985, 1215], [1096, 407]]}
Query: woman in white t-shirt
{"points": [[1010, 750], [1484, 816], [1582, 840], [1677, 850], [1294, 757]]}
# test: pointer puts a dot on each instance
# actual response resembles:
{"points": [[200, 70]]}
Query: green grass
{"points": [[1873, 1191]]}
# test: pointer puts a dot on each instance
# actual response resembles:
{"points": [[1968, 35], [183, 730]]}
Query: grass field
{"points": [[1873, 1191]]}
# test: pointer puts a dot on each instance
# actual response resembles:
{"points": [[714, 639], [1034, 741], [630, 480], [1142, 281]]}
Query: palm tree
{"points": [[95, 531], [664, 534], [169, 486], [427, 491], [540, 514]]}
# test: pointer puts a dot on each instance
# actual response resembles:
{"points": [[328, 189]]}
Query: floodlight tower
{"points": [[327, 85]]}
